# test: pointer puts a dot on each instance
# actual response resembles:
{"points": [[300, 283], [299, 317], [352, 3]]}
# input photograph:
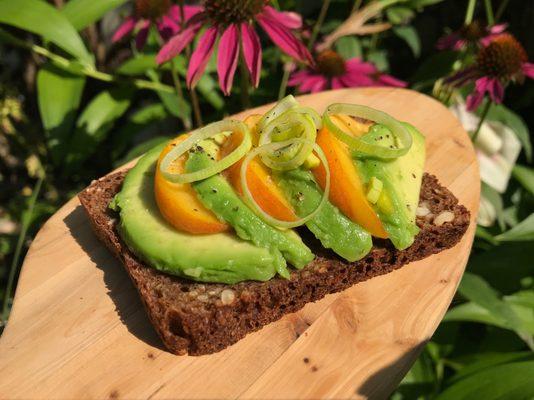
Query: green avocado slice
{"points": [[401, 179], [329, 225], [222, 258], [218, 195]]}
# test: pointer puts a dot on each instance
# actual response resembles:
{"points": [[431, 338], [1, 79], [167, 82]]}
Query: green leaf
{"points": [[349, 47], [139, 65], [380, 59], [82, 13], [477, 290], [524, 231], [94, 124], [410, 36], [58, 96], [419, 381], [142, 148], [483, 233], [433, 68], [41, 18], [472, 312], [209, 90], [481, 361], [494, 265], [499, 112], [525, 176], [399, 14], [511, 381], [143, 63], [140, 121], [175, 105]]}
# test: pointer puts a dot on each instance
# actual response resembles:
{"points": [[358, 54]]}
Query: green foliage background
{"points": [[73, 106]]}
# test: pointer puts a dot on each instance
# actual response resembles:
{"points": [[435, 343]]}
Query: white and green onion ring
{"points": [[402, 136], [289, 125], [197, 136], [273, 147]]}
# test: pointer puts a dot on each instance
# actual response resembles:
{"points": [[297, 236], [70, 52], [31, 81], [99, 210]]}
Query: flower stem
{"points": [[245, 98], [18, 249], [483, 116], [470, 12], [196, 107], [489, 13], [285, 79], [82, 69], [192, 93], [501, 9], [318, 23]]}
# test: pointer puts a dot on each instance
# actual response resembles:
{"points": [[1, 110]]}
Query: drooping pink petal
{"points": [[459, 45], [124, 29], [462, 77], [495, 90], [313, 81], [449, 42], [167, 27], [499, 28], [337, 83], [320, 85], [289, 19], [189, 12], [528, 69], [493, 32], [251, 52], [474, 100], [201, 56], [142, 35], [388, 80], [227, 57], [476, 97], [299, 77], [284, 39], [356, 80], [177, 43], [356, 65]]}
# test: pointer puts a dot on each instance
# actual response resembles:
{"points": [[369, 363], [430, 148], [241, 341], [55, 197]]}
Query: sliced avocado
{"points": [[329, 225], [401, 179], [219, 196], [219, 257]]}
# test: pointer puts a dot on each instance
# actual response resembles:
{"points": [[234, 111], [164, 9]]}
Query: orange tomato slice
{"points": [[347, 191], [260, 183], [179, 204]]}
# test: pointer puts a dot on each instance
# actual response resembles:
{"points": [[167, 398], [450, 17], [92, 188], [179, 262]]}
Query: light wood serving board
{"points": [[78, 329]]}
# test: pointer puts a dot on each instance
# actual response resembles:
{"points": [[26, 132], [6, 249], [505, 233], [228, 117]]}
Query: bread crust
{"points": [[202, 318]]}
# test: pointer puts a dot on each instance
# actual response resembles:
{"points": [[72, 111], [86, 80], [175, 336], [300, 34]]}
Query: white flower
{"points": [[496, 145]]}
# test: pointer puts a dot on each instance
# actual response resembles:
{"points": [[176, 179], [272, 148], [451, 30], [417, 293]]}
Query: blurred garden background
{"points": [[86, 85]]}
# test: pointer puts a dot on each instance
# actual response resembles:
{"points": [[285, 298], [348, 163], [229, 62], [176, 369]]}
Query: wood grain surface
{"points": [[78, 329]]}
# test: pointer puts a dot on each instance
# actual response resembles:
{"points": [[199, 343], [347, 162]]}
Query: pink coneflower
{"points": [[164, 15], [502, 61], [233, 21], [472, 33], [332, 71]]}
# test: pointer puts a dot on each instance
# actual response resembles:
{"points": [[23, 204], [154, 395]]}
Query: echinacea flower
{"points": [[472, 33], [502, 61], [233, 23], [331, 71], [161, 13]]}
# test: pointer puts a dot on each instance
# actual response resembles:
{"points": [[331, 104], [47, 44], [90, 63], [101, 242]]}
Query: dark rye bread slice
{"points": [[200, 318]]}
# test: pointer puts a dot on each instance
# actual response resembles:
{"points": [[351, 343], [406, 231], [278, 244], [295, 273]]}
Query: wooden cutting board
{"points": [[78, 329]]}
